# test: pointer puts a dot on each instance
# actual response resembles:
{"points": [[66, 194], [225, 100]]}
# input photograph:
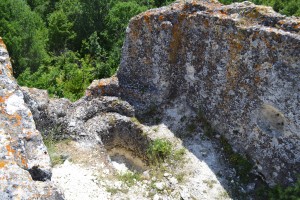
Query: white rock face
{"points": [[244, 77]]}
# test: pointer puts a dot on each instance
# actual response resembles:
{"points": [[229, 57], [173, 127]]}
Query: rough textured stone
{"points": [[238, 64], [24, 160], [105, 122]]}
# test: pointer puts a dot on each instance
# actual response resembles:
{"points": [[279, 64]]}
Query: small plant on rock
{"points": [[159, 150], [129, 178]]}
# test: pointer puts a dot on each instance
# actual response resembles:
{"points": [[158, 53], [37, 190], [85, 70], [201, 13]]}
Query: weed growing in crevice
{"points": [[135, 120], [51, 143], [159, 150], [279, 192], [129, 178]]}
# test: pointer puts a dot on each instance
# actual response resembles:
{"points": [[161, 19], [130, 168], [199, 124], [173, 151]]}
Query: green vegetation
{"points": [[179, 154], [51, 144], [210, 183], [240, 163], [288, 193], [129, 178], [279, 192], [63, 45], [286, 7], [159, 150]]}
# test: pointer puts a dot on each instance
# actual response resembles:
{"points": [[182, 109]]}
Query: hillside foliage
{"points": [[62, 45]]}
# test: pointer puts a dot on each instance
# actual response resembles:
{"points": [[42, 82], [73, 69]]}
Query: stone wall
{"points": [[239, 64]]}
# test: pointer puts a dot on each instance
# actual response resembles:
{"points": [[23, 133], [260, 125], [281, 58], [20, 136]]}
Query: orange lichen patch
{"points": [[9, 150], [4, 98], [24, 161], [2, 163], [257, 80], [16, 118], [147, 19], [175, 43], [2, 43], [176, 39], [297, 26], [161, 18], [186, 7], [194, 3], [267, 42], [28, 135], [9, 67], [257, 67], [135, 27], [206, 23], [104, 83], [223, 12]]}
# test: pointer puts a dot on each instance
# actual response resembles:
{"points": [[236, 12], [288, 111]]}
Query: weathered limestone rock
{"points": [[105, 122], [24, 160], [239, 64]]}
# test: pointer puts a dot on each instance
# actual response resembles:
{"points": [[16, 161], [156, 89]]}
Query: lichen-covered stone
{"points": [[239, 64], [102, 122], [24, 159]]}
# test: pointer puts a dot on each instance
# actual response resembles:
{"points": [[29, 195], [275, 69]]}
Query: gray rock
{"points": [[25, 168], [160, 185], [238, 64]]}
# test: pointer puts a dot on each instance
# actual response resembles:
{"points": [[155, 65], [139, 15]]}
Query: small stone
{"points": [[185, 195], [146, 175], [118, 184], [166, 174], [72, 124], [160, 185], [156, 197], [173, 181], [106, 171]]}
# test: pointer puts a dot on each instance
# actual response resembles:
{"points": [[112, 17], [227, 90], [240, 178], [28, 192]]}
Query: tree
{"points": [[60, 31], [24, 33]]}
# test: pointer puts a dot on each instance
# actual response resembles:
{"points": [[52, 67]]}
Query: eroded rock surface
{"points": [[25, 168], [238, 64]]}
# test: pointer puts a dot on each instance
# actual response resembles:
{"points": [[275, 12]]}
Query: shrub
{"points": [[159, 150], [289, 193]]}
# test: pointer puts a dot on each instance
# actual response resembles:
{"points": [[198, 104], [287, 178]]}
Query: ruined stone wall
{"points": [[239, 64], [24, 161]]}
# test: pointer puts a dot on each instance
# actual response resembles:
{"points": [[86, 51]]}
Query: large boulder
{"points": [[25, 167], [239, 64]]}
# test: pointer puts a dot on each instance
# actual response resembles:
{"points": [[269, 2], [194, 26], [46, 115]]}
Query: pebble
{"points": [[146, 175], [173, 181], [156, 197], [160, 185]]}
